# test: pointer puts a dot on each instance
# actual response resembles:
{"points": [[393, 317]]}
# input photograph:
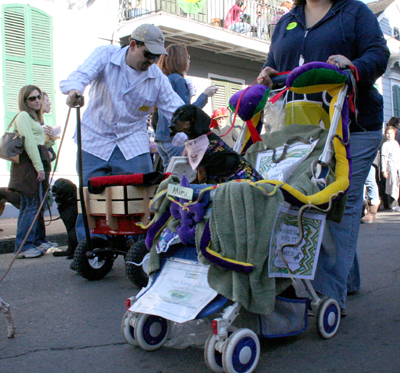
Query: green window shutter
{"points": [[396, 101], [225, 91], [27, 55], [14, 71]]}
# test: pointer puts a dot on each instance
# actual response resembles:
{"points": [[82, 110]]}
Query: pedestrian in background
{"points": [[41, 242], [175, 66], [31, 174], [390, 167], [221, 128]]}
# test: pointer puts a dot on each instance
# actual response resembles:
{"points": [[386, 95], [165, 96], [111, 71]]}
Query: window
{"points": [[225, 91], [396, 33], [27, 55], [396, 100]]}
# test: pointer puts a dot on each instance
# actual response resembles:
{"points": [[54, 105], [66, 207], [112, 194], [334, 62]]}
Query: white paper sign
{"points": [[179, 293], [301, 259], [296, 153]]}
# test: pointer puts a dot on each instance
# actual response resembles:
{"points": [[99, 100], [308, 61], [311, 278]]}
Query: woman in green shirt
{"points": [[30, 176]]}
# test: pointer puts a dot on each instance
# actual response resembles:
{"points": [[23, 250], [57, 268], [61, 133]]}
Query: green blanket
{"points": [[241, 223]]}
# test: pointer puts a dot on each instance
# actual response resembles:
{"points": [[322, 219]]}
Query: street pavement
{"points": [[68, 324]]}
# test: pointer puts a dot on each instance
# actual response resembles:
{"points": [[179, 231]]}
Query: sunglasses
{"points": [[33, 98], [150, 56]]}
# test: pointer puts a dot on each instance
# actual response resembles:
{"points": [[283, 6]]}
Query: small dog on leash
{"points": [[64, 192], [5, 309], [220, 163]]}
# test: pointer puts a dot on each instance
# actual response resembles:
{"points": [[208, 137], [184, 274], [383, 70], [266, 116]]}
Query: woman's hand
{"points": [[339, 61], [40, 176], [49, 132], [265, 76], [211, 90]]}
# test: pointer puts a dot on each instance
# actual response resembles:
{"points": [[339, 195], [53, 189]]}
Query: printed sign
{"points": [[179, 293], [301, 258], [295, 154]]}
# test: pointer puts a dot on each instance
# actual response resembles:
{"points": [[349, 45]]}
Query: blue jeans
{"points": [[167, 151], [27, 212], [372, 187], [117, 165], [338, 269], [40, 235]]}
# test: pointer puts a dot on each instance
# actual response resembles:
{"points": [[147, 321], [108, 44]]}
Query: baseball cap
{"points": [[151, 36]]}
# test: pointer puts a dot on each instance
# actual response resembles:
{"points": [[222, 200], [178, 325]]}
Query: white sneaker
{"points": [[52, 244], [30, 253], [397, 208], [43, 247]]}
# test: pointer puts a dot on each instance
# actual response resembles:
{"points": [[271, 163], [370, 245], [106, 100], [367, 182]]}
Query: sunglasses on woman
{"points": [[33, 98], [150, 56]]}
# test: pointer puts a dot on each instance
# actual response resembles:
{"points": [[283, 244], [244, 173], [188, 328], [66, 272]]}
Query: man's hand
{"points": [[265, 76], [74, 98]]}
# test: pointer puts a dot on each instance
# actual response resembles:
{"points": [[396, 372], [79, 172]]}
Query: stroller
{"points": [[203, 257]]}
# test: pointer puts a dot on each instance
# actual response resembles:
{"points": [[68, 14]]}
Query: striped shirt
{"points": [[118, 107]]}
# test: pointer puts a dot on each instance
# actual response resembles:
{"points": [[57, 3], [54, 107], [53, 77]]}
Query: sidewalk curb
{"points": [[7, 244]]}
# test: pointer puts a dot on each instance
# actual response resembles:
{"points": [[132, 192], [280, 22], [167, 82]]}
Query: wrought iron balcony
{"points": [[257, 18]]}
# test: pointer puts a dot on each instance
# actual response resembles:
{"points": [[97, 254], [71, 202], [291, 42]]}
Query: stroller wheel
{"points": [[151, 331], [328, 318], [241, 352], [137, 253], [127, 327], [96, 267], [213, 357]]}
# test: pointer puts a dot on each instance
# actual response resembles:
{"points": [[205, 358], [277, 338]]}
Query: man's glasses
{"points": [[150, 56], [33, 98]]}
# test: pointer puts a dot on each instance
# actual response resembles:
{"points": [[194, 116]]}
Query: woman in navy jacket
{"points": [[175, 66], [342, 33]]}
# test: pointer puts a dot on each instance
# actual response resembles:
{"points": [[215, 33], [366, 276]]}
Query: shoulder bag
{"points": [[11, 145]]}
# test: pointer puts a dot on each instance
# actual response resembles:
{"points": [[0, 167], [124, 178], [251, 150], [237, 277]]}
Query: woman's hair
{"points": [[23, 106], [303, 2], [42, 107], [177, 60], [394, 122], [390, 128]]}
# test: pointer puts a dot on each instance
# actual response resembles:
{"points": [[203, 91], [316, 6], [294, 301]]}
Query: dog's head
{"points": [[64, 191], [191, 120]]}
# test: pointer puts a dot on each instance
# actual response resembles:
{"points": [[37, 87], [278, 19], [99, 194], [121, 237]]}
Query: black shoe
{"points": [[60, 253], [70, 256]]}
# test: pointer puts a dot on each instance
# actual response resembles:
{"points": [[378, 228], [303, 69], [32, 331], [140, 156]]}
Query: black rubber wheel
{"points": [[137, 253], [96, 268]]}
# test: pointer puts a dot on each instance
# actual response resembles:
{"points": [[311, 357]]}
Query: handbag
{"points": [[11, 145]]}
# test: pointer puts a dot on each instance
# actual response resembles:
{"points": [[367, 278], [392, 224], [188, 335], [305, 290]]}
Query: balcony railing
{"points": [[257, 20]]}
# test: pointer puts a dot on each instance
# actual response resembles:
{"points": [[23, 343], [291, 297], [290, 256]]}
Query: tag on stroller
{"points": [[180, 192], [295, 154], [300, 259]]}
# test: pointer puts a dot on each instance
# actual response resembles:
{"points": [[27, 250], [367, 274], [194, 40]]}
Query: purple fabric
{"points": [[155, 228], [188, 217], [249, 102], [205, 240], [307, 67]]}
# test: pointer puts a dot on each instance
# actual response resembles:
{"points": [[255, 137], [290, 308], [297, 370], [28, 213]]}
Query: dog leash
{"points": [[41, 203]]}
